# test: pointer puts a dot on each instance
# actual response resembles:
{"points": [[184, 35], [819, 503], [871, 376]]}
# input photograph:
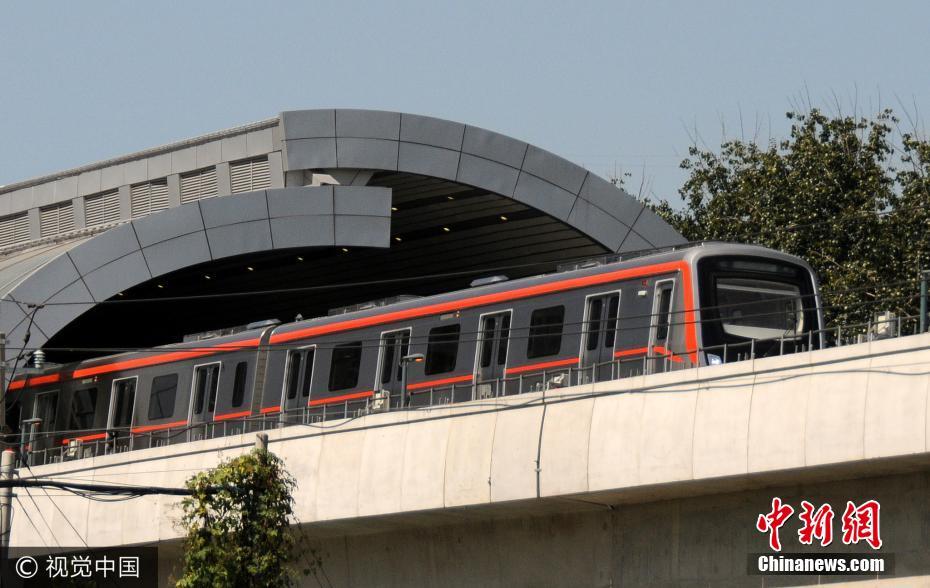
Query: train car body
{"points": [[675, 309]]}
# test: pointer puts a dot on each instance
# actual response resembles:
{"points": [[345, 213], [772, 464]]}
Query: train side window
{"points": [[545, 337], [387, 361], [207, 379], [663, 311], [83, 409], [200, 387], [124, 403], [164, 393], [238, 395], [613, 308], [214, 386], [442, 349], [46, 406], [293, 374], [344, 368], [402, 351], [308, 373], [594, 323], [505, 336], [487, 341]]}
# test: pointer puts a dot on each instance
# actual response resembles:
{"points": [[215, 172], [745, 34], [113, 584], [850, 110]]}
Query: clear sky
{"points": [[604, 84]]}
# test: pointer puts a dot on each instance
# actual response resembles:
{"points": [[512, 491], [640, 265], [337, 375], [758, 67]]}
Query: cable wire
{"points": [[29, 518], [55, 503], [419, 338], [340, 286], [96, 488]]}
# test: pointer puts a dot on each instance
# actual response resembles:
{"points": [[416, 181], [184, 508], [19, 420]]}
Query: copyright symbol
{"points": [[26, 567]]}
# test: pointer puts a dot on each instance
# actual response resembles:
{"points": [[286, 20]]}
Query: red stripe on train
{"points": [[629, 352], [439, 308], [163, 358], [93, 437], [232, 415], [37, 381], [671, 354], [486, 299], [645, 350], [440, 382], [149, 428], [342, 398], [541, 366]]}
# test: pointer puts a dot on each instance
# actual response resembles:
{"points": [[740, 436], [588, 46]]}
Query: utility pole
{"points": [[261, 441], [7, 462]]}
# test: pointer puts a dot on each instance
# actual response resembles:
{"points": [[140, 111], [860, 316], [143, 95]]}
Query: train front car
{"points": [[754, 302]]}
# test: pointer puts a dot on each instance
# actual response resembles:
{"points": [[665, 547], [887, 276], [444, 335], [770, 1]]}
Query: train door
{"points": [[599, 336], [491, 354], [122, 406], [662, 325], [297, 384], [44, 413], [203, 399], [394, 346]]}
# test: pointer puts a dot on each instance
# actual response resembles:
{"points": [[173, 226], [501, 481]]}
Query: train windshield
{"points": [[759, 309], [754, 304]]}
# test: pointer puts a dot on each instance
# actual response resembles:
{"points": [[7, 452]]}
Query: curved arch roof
{"points": [[413, 194], [400, 142]]}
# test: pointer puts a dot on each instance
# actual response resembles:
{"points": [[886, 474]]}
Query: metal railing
{"points": [[40, 448]]}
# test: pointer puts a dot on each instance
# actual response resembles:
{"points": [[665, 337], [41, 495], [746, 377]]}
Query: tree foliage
{"points": [[238, 522], [850, 195]]}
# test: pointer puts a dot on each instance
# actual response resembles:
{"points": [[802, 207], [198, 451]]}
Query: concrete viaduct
{"points": [[652, 480]]}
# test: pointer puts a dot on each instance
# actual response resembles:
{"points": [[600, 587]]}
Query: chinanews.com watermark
{"points": [[860, 524], [821, 564], [129, 567]]}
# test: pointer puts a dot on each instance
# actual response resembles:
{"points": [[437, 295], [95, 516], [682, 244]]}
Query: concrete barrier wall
{"points": [[691, 432]]}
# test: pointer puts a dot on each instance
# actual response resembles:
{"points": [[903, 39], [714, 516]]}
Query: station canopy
{"points": [[292, 216]]}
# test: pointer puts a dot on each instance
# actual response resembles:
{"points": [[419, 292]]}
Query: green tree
{"points": [[909, 222], [847, 194], [238, 523]]}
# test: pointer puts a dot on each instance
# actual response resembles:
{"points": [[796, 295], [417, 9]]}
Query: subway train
{"points": [[602, 319]]}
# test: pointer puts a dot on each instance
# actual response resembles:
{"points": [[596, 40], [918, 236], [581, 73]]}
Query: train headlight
{"points": [[714, 359]]}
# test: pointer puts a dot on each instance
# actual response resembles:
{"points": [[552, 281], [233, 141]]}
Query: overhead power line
{"points": [[856, 216], [627, 256], [517, 332], [107, 489], [338, 286]]}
